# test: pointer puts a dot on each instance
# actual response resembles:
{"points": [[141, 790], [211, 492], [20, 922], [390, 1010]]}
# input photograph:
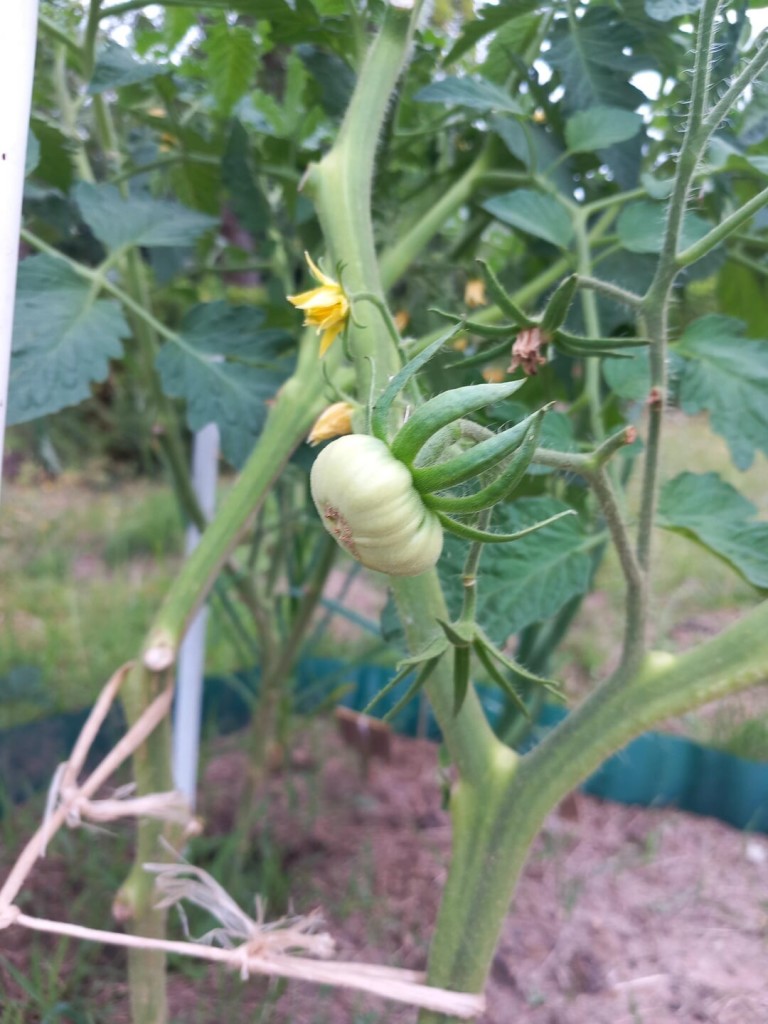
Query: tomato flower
{"points": [[326, 307]]}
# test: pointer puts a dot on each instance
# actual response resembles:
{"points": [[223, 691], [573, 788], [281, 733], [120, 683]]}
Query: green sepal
{"points": [[442, 410], [501, 487], [460, 634], [486, 537], [461, 666], [499, 678], [478, 459], [573, 345], [382, 408], [485, 355], [559, 304], [551, 685], [477, 327], [430, 653], [502, 300], [437, 444], [424, 674]]}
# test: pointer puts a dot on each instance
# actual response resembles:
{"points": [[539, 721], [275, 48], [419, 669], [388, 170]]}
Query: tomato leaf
{"points": [[525, 581], [726, 374], [536, 214], [711, 512], [226, 367], [119, 222], [474, 93], [63, 339]]}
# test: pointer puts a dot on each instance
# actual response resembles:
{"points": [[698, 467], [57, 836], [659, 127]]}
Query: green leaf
{"points": [[629, 378], [54, 164], [741, 293], [640, 227], [599, 127], [538, 215], [727, 375], [224, 368], [490, 17], [116, 66], [711, 512], [63, 339], [536, 148], [231, 64], [335, 79], [591, 57], [475, 93], [119, 222], [330, 8], [248, 202], [657, 188], [289, 119], [665, 10], [528, 580]]}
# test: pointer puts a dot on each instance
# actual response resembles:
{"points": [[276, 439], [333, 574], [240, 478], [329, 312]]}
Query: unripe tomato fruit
{"points": [[367, 500]]}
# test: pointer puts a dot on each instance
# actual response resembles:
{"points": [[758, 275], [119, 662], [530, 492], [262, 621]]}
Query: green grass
{"points": [[84, 571]]}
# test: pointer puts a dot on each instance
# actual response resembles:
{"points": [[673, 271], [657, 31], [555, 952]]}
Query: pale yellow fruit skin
{"points": [[366, 499]]}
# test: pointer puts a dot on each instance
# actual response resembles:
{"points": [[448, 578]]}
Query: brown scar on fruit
{"points": [[340, 529]]}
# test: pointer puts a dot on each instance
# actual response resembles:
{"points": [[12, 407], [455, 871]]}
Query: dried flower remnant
{"points": [[526, 351]]}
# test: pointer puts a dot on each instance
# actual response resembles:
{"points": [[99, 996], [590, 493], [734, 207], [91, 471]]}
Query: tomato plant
{"points": [[574, 193]]}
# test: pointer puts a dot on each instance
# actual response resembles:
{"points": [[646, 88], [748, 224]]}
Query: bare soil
{"points": [[624, 915]]}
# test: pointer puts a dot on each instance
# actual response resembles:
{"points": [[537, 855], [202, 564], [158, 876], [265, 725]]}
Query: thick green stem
{"points": [[342, 188], [495, 826], [297, 405], [347, 171], [654, 312], [592, 325]]}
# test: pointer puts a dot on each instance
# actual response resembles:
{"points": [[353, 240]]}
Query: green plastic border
{"points": [[654, 770]]}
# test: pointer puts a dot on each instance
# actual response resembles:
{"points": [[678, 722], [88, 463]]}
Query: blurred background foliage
{"points": [[165, 222]]}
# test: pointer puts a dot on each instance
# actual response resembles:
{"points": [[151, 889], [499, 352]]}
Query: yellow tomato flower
{"points": [[474, 293], [333, 422], [326, 307]]}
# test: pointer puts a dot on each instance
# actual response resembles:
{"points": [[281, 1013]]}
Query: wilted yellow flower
{"points": [[402, 319], [474, 293], [493, 375], [326, 307], [332, 422]]}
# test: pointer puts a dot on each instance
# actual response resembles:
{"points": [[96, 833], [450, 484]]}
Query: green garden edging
{"points": [[654, 770]]}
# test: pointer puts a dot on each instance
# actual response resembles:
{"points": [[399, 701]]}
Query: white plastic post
{"points": [[187, 713], [18, 36]]}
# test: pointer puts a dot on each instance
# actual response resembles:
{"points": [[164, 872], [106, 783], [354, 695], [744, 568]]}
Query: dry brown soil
{"points": [[624, 915]]}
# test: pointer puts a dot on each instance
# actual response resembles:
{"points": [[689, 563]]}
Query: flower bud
{"points": [[332, 422]]}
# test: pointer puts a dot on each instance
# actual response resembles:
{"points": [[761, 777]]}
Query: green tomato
{"points": [[367, 500]]}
